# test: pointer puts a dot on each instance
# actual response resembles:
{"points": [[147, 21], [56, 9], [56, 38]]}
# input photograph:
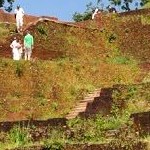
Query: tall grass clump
{"points": [[19, 136]]}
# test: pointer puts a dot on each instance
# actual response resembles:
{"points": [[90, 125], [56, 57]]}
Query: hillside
{"points": [[99, 55], [70, 61]]}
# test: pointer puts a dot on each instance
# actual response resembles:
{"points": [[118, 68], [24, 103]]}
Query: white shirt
{"points": [[19, 12], [14, 44], [95, 12]]}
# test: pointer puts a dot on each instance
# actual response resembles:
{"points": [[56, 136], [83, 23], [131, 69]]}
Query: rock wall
{"points": [[8, 17]]}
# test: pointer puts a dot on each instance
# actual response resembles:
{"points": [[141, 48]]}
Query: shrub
{"points": [[19, 136]]}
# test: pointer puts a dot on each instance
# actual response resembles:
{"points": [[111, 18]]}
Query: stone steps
{"points": [[82, 104]]}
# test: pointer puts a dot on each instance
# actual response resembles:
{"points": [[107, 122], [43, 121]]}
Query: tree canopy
{"points": [[86, 15], [124, 4], [8, 6]]}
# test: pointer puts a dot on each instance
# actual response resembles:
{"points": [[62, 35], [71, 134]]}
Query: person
{"points": [[19, 14], [15, 49], [95, 12], [111, 9], [28, 45]]}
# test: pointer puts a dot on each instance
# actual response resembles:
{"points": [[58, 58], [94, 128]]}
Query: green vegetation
{"points": [[10, 4], [17, 137], [47, 93], [71, 62], [77, 17]]}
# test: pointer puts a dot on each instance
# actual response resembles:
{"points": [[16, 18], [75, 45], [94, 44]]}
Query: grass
{"points": [[148, 140], [85, 59], [47, 88], [133, 98], [17, 137]]}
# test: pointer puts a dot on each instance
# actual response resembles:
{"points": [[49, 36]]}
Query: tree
{"points": [[8, 2], [125, 4], [145, 3], [86, 15]]}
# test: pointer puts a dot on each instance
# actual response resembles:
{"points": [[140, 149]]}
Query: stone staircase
{"points": [[82, 104]]}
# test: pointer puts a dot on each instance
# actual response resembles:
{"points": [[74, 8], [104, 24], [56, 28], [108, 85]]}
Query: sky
{"points": [[62, 9]]}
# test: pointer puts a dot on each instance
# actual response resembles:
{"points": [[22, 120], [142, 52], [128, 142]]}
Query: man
{"points": [[95, 13], [19, 13], [28, 45]]}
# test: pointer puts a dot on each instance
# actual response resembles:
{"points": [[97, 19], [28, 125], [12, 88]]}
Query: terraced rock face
{"points": [[126, 32], [129, 32], [94, 53], [64, 40], [10, 18], [137, 95]]}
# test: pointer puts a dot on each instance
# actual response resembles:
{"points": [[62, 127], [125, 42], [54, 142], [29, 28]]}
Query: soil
{"points": [[138, 146], [93, 108], [8, 18]]}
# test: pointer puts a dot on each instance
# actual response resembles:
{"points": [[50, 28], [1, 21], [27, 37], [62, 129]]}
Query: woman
{"points": [[15, 49]]}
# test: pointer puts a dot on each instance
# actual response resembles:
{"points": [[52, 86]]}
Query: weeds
{"points": [[19, 69], [55, 145], [19, 136], [41, 30]]}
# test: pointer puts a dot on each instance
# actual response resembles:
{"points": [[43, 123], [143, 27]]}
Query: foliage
{"points": [[49, 89], [133, 98], [10, 2], [120, 60], [127, 139], [95, 129], [41, 30], [77, 17], [125, 4], [56, 139], [145, 20], [145, 3], [53, 145], [19, 136], [48, 93]]}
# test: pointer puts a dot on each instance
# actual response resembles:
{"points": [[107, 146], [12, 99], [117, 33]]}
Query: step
{"points": [[80, 107], [71, 117], [78, 111], [89, 97], [73, 114], [82, 104], [87, 101]]}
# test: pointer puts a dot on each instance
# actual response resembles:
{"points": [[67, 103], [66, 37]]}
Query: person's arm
{"points": [[15, 12], [24, 42], [11, 45], [22, 12]]}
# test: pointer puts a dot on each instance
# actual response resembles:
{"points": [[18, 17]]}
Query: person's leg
{"points": [[13, 56], [21, 24], [25, 54], [29, 54], [18, 24]]}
